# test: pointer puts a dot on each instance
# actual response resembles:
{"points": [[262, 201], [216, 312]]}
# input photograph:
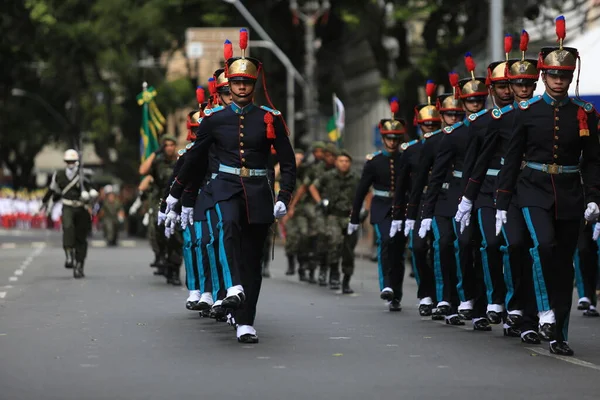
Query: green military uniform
{"points": [[170, 249], [110, 220], [337, 191], [294, 234], [152, 196]]}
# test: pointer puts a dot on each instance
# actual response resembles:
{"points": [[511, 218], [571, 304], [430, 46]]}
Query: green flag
{"points": [[152, 122]]}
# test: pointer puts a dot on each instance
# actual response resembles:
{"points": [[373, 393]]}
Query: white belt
{"points": [[73, 203], [382, 193]]}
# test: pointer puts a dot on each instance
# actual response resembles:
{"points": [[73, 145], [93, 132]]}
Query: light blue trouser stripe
{"points": [[489, 284], [199, 258], [379, 265], [414, 259], [188, 259], [212, 258], [578, 274], [541, 293], [222, 254], [459, 285], [437, 264], [508, 278]]}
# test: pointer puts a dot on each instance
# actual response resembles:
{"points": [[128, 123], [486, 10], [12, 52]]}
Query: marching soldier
{"points": [[243, 134], [111, 215], [561, 175], [586, 269], [442, 203], [295, 227], [75, 191], [334, 193], [428, 118], [380, 171], [520, 305]]}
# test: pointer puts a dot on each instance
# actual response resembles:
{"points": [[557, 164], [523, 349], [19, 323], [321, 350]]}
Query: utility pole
{"points": [[309, 13], [496, 26]]}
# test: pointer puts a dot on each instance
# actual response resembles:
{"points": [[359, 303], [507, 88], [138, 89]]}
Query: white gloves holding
{"points": [[85, 196], [409, 226], [596, 233], [135, 206], [591, 212], [463, 214], [279, 210], [352, 228], [425, 227], [396, 226], [187, 217], [161, 218], [93, 193], [171, 201], [500, 220], [170, 223]]}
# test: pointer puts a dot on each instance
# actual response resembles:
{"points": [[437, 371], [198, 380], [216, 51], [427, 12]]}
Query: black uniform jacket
{"points": [[411, 155], [549, 132], [240, 139], [380, 172]]}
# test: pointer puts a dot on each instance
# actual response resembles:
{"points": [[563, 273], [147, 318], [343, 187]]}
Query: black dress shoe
{"points": [[513, 320], [205, 314], [439, 313], [248, 338], [493, 317], [386, 295], [233, 302], [584, 305], [202, 305], [190, 305], [218, 313], [531, 338], [454, 320], [395, 305], [547, 332], [512, 332], [425, 310], [482, 325], [465, 314], [561, 349], [591, 312], [347, 290]]}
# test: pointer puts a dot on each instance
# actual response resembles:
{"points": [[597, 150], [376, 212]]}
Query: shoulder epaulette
{"points": [[181, 152], [524, 105], [406, 145], [189, 145], [448, 130], [272, 111], [588, 107], [370, 156], [476, 115], [497, 113], [210, 111], [431, 134]]}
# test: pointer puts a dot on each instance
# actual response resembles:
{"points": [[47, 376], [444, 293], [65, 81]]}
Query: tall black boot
{"points": [[346, 289], [291, 265], [78, 270], [174, 276], [334, 277], [323, 275], [70, 258]]}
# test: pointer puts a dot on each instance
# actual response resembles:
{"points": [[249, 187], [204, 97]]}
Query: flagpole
{"points": [[335, 117]]}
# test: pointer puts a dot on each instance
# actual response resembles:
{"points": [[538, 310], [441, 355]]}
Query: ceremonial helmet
{"points": [[427, 113], [474, 87], [392, 127], [222, 83], [71, 155], [242, 68], [523, 70], [558, 60], [448, 103], [497, 71]]}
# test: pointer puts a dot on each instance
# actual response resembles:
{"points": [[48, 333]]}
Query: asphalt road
{"points": [[122, 333]]}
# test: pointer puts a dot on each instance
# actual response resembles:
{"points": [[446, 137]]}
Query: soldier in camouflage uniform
{"points": [[160, 166], [293, 235], [334, 192], [111, 215], [76, 218]]}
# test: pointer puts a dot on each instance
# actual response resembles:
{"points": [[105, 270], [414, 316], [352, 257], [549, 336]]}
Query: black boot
{"points": [[291, 266], [323, 275], [346, 289], [70, 258], [265, 270], [311, 276], [78, 270], [174, 277]]}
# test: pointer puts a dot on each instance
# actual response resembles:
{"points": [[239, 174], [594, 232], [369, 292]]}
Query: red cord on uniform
{"points": [[583, 125], [270, 128]]}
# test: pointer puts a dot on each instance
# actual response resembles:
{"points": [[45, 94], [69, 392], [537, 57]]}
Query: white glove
{"points": [[591, 212], [352, 228], [500, 220], [85, 196], [135, 206], [187, 217], [146, 219], [463, 214], [170, 223], [279, 210], [425, 227], [93, 193], [596, 233], [396, 226], [161, 218], [171, 201], [409, 225]]}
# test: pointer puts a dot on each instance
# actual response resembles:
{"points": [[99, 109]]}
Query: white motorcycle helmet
{"points": [[71, 156]]}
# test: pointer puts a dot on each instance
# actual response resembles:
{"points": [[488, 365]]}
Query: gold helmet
{"points": [[558, 60], [392, 127], [498, 70], [523, 70], [473, 87], [427, 114], [448, 103], [242, 68]]}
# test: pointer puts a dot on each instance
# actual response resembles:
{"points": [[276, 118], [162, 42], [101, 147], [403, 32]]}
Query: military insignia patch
{"points": [[181, 152], [496, 113], [588, 107], [448, 130], [472, 117], [524, 105]]}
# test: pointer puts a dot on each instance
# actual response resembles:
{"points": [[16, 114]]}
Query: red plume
{"points": [[561, 29], [394, 106], [227, 50], [200, 95], [453, 77], [524, 40], [212, 86], [243, 39], [469, 62], [430, 88], [508, 43], [270, 128]]}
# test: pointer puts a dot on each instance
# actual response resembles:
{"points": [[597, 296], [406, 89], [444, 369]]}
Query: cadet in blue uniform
{"points": [[586, 269], [381, 173], [243, 134], [519, 302], [442, 203], [550, 190], [428, 119]]}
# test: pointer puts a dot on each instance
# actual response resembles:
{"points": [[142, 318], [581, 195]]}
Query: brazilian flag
{"points": [[152, 122]]}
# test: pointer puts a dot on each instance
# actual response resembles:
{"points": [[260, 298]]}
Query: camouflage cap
{"points": [[331, 148], [168, 138], [298, 151], [345, 153], [318, 145]]}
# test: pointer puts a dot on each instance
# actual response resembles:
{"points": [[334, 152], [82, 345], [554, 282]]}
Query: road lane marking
{"points": [[128, 243], [2, 295], [8, 246], [570, 360], [19, 272], [13, 279], [98, 243], [38, 244]]}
